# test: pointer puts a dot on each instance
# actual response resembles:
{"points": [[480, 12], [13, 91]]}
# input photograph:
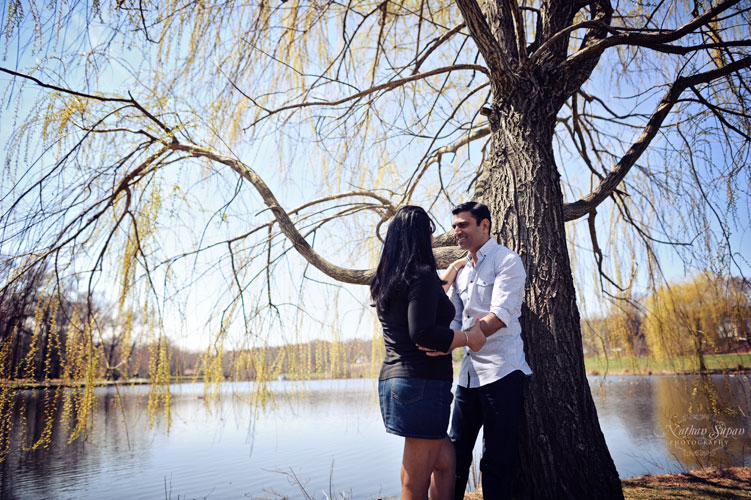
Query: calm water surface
{"points": [[328, 437]]}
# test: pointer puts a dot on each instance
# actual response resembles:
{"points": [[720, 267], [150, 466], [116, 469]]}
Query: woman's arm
{"points": [[450, 274], [473, 338], [421, 319], [422, 311]]}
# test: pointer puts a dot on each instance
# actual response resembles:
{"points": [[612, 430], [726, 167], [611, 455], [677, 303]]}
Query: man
{"points": [[488, 289]]}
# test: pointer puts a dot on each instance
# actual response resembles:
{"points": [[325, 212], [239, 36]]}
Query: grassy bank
{"points": [[621, 365], [708, 484], [648, 365], [23, 384]]}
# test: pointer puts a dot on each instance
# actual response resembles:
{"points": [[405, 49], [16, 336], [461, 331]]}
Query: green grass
{"points": [[644, 365]]}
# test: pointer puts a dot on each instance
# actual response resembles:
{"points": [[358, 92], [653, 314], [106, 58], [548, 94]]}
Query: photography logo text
{"points": [[700, 432]]}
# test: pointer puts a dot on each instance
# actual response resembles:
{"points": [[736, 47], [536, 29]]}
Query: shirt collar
{"points": [[483, 251]]}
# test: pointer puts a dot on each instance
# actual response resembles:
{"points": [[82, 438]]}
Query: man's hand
{"points": [[432, 352]]}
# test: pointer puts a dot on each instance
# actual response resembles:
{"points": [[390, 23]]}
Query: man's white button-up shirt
{"points": [[495, 284]]}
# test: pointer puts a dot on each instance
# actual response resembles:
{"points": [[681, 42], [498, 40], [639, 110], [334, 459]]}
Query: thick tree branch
{"points": [[545, 46], [683, 50], [572, 211], [554, 16], [282, 217], [481, 33], [444, 255], [521, 36], [360, 277], [602, 13]]}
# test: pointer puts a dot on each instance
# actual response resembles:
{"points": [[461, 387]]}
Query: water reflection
{"points": [[705, 421], [330, 435], [655, 424]]}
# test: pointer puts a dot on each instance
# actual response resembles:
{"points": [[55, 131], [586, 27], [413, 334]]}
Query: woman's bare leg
{"points": [[418, 461], [444, 472]]}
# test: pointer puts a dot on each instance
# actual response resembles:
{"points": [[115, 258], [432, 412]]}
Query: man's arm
{"points": [[489, 324], [508, 294]]}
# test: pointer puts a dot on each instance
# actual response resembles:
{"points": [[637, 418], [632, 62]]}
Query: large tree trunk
{"points": [[562, 451]]}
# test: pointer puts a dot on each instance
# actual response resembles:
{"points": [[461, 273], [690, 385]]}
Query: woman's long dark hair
{"points": [[406, 251]]}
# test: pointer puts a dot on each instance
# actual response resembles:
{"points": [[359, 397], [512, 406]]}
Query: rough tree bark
{"points": [[562, 451]]}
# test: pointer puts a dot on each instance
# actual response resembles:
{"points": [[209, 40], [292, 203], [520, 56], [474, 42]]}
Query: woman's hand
{"points": [[458, 264], [472, 338], [475, 338], [451, 272]]}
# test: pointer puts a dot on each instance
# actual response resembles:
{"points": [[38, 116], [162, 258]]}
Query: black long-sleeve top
{"points": [[419, 314]]}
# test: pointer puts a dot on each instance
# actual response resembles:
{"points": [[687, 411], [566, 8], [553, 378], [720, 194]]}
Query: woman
{"points": [[414, 385]]}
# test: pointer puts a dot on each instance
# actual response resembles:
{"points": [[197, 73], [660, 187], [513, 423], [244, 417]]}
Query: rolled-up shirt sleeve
{"points": [[422, 312], [508, 289]]}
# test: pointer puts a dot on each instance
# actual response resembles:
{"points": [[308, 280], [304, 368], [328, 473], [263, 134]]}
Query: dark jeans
{"points": [[496, 408]]}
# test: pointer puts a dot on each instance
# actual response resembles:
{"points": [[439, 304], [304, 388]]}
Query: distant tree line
{"points": [[40, 323], [706, 314], [48, 332]]}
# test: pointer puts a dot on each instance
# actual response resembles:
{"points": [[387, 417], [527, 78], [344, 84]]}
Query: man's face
{"points": [[469, 235]]}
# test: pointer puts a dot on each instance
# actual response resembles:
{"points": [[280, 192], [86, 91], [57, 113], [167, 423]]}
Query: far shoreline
{"points": [[628, 373], [358, 372], [706, 364]]}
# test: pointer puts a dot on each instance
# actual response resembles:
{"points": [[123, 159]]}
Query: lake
{"points": [[327, 437]]}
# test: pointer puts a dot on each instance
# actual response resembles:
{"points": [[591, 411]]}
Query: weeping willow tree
{"points": [[166, 149], [704, 315]]}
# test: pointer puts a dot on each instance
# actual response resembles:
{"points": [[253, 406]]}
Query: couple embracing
{"points": [[422, 325]]}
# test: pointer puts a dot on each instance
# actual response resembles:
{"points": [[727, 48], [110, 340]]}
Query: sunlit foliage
{"points": [[704, 315]]}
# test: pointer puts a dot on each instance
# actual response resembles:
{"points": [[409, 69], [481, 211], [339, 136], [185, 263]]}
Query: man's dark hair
{"points": [[478, 211]]}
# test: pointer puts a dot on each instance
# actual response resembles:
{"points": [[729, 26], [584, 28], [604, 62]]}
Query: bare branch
{"points": [[64, 90], [385, 86], [683, 50], [435, 44], [99, 98], [579, 208], [640, 39], [597, 251], [451, 148]]}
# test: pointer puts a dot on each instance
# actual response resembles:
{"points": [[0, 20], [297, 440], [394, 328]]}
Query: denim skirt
{"points": [[415, 407]]}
